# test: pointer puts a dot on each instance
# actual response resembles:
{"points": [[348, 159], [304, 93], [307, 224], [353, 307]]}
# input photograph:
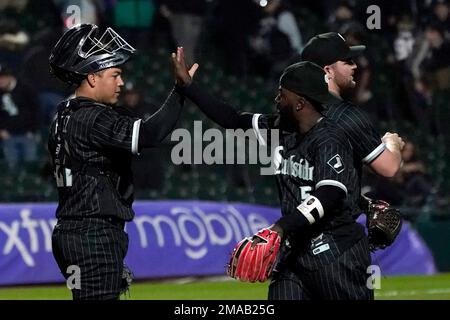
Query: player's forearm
{"points": [[387, 163], [156, 127], [395, 155], [322, 202], [218, 111]]}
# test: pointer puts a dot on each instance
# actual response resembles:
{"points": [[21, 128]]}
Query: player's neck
{"points": [[308, 122], [82, 91], [334, 89]]}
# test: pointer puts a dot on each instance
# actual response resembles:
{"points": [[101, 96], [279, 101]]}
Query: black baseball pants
{"points": [[96, 246], [327, 277]]}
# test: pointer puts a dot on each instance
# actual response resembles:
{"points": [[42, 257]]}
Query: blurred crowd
{"points": [[410, 54]]}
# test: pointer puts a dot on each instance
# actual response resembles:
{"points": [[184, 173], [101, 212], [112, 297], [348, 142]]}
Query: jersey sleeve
{"points": [[112, 130], [364, 138], [226, 115], [333, 161]]}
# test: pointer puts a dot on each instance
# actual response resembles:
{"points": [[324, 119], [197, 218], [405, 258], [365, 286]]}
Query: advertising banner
{"points": [[170, 239]]}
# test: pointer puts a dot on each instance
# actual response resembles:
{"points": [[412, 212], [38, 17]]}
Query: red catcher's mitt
{"points": [[255, 263]]}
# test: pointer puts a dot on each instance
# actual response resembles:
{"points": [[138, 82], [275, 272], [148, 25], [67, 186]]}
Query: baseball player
{"points": [[91, 142], [334, 55], [326, 253]]}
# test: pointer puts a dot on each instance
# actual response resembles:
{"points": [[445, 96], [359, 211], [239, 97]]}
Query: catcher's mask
{"points": [[82, 50]]}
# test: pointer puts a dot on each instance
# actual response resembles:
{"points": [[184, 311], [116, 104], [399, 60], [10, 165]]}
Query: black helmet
{"points": [[81, 51]]}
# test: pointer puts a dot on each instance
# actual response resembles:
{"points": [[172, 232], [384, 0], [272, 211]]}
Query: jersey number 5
{"points": [[305, 192]]}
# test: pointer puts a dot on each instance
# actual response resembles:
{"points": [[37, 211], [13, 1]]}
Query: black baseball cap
{"points": [[306, 79], [327, 48]]}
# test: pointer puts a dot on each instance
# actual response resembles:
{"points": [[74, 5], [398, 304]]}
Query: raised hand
{"points": [[183, 75]]}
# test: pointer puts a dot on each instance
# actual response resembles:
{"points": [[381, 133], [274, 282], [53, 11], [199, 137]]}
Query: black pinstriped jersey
{"points": [[321, 157], [364, 138], [91, 145]]}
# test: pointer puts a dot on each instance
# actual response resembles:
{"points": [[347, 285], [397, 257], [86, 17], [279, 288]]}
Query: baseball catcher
{"points": [[92, 142]]}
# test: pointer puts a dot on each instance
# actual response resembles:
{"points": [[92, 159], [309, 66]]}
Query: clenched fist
{"points": [[393, 140]]}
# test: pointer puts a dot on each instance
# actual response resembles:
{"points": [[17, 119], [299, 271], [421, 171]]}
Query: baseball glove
{"points": [[253, 257], [383, 224]]}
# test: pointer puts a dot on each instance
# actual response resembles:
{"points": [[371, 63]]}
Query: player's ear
{"points": [[90, 78], [301, 102], [329, 74]]}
